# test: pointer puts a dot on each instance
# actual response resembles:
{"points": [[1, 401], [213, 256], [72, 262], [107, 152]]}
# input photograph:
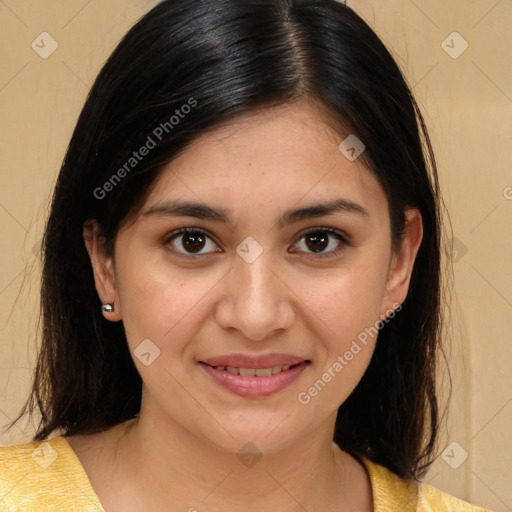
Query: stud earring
{"points": [[108, 308]]}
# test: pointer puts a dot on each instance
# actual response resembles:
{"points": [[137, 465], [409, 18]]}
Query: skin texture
{"points": [[181, 451]]}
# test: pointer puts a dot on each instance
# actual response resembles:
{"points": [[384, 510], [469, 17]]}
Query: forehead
{"points": [[276, 157]]}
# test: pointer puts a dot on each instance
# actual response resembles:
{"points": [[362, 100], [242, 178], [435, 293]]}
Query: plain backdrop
{"points": [[456, 56]]}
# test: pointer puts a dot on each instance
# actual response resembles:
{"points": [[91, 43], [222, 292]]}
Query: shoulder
{"points": [[392, 493], [44, 476], [431, 499]]}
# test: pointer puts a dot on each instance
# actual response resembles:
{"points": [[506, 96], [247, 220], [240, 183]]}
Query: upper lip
{"points": [[247, 361]]}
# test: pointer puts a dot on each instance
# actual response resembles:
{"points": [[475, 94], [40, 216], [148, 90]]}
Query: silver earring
{"points": [[108, 308]]}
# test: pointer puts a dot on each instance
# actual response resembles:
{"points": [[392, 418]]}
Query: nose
{"points": [[255, 299]]}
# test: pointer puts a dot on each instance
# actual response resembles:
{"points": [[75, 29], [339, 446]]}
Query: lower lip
{"points": [[252, 386]]}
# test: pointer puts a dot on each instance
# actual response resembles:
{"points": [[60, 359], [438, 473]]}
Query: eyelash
{"points": [[344, 240]]}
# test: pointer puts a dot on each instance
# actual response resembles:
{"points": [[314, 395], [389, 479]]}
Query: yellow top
{"points": [[47, 476]]}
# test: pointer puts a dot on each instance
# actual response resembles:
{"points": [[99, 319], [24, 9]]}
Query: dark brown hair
{"points": [[229, 58]]}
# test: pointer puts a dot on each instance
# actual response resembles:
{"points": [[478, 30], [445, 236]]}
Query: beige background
{"points": [[467, 102]]}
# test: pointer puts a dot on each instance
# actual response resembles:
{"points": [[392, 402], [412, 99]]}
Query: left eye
{"points": [[319, 239], [194, 240]]}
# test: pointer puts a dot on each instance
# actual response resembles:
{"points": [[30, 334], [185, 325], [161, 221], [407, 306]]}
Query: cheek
{"points": [[168, 310], [347, 300], [161, 304], [346, 309]]}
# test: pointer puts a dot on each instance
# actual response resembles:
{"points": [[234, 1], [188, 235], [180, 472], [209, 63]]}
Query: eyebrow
{"points": [[205, 212]]}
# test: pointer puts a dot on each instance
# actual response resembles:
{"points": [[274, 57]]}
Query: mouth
{"points": [[258, 372], [249, 382]]}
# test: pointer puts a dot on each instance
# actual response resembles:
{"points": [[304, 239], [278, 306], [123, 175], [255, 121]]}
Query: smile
{"points": [[255, 382], [259, 372]]}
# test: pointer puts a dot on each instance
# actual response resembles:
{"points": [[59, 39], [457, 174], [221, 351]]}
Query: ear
{"points": [[103, 269], [402, 263]]}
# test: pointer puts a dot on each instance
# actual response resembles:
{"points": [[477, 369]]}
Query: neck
{"points": [[169, 465]]}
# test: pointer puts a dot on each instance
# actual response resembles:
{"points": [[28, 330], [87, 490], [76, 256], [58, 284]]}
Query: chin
{"points": [[262, 440]]}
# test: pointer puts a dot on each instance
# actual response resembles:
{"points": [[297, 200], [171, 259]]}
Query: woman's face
{"points": [[269, 268]]}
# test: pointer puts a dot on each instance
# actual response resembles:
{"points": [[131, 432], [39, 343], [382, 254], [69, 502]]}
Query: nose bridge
{"points": [[255, 280], [256, 302]]}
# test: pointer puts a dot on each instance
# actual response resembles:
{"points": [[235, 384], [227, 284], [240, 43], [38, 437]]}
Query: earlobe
{"points": [[103, 270], [403, 261]]}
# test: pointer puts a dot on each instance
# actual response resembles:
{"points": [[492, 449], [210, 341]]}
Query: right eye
{"points": [[192, 240]]}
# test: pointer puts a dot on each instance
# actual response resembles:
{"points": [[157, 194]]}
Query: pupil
{"points": [[193, 241], [316, 238]]}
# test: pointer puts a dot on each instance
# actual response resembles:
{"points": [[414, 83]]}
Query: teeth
{"points": [[259, 372], [263, 372], [247, 371]]}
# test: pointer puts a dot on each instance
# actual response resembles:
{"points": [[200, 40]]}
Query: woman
{"points": [[241, 283]]}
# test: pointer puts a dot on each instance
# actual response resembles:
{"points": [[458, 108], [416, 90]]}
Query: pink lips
{"points": [[254, 386]]}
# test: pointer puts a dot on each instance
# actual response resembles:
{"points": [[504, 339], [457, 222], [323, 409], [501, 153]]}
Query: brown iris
{"points": [[319, 241], [193, 242]]}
